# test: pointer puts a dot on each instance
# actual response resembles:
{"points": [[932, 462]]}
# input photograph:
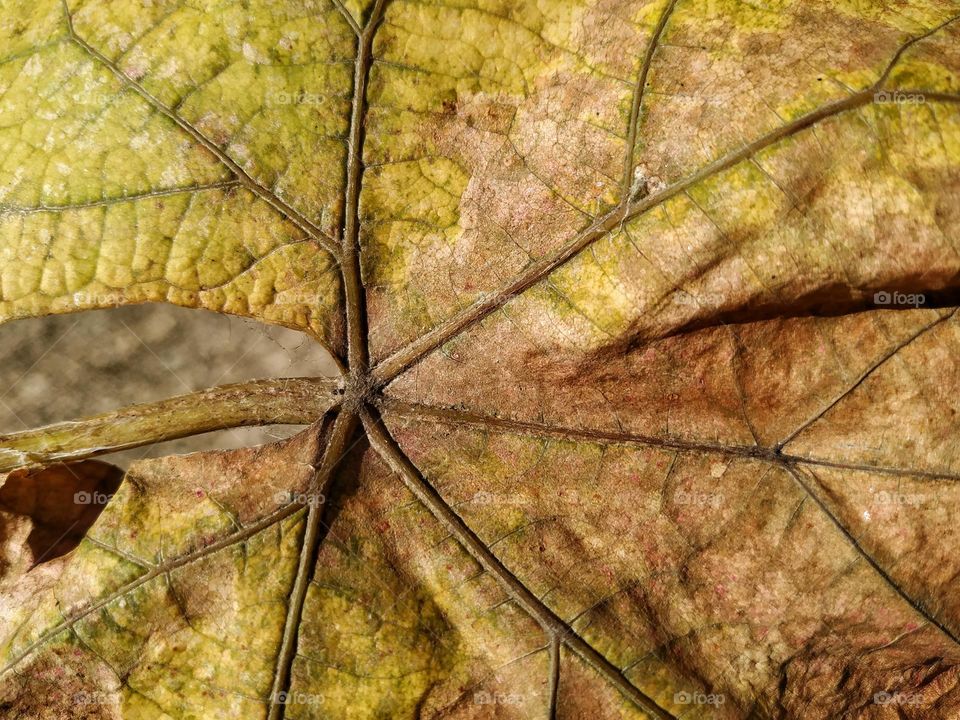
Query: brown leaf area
{"points": [[47, 511], [725, 569], [766, 531], [44, 514], [649, 375]]}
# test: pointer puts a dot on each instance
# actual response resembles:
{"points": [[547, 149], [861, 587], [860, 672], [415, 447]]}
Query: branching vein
{"points": [[270, 197]]}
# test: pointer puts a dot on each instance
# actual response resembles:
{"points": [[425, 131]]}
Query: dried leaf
{"points": [[646, 315]]}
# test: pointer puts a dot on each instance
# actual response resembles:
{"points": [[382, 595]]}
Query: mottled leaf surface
{"points": [[646, 317]]}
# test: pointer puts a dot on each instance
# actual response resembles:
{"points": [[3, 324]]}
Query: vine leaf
{"points": [[645, 317]]}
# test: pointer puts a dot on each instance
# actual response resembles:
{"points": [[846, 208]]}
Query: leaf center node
{"points": [[358, 391]]}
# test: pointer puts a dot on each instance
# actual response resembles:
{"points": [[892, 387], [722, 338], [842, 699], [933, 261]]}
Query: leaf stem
{"points": [[297, 401]]}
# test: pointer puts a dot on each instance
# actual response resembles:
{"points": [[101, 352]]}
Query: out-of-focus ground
{"points": [[67, 366]]}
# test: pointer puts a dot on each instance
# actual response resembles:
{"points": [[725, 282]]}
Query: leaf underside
{"points": [[645, 312]]}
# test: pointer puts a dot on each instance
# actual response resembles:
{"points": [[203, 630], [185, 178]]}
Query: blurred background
{"points": [[65, 367]]}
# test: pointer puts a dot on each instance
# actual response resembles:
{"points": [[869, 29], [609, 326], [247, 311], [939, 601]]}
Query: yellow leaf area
{"points": [[170, 152]]}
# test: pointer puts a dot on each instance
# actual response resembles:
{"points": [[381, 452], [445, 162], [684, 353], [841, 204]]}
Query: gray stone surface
{"points": [[67, 366]]}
